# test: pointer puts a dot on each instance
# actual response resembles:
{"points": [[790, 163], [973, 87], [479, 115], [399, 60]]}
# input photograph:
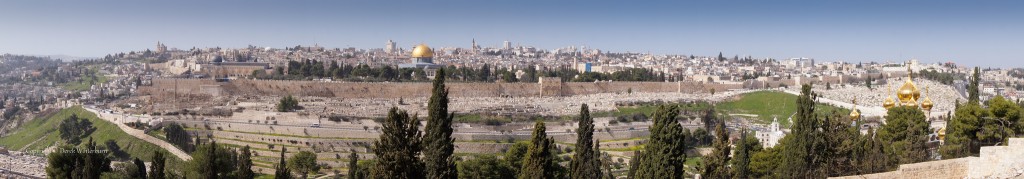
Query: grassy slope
{"points": [[45, 129], [84, 84], [765, 104]]}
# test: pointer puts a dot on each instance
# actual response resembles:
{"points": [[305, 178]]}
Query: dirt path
{"points": [[114, 118]]}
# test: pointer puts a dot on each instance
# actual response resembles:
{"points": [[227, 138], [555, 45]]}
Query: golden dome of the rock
{"points": [[908, 92], [422, 51]]}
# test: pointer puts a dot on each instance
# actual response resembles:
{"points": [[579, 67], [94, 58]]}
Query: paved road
{"points": [[115, 118]]}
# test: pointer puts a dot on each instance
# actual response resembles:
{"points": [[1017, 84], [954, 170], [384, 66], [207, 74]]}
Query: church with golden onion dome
{"points": [[908, 95]]}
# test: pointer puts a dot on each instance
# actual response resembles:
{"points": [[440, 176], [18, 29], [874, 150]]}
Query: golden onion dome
{"points": [[422, 51], [908, 92], [889, 103], [942, 133], [911, 103], [854, 115], [927, 104]]}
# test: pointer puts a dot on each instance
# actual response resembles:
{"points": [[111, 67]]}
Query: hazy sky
{"points": [[986, 33]]}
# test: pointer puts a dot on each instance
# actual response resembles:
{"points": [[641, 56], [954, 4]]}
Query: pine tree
{"points": [[398, 148], [717, 164], [244, 170], [539, 161], [582, 165], [282, 167], [438, 142], [156, 167], [907, 131], [664, 154]]}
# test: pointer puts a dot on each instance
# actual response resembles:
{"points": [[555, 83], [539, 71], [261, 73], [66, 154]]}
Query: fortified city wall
{"points": [[169, 87]]}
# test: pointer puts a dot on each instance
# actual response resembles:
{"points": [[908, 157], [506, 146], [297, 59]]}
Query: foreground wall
{"points": [[994, 162]]}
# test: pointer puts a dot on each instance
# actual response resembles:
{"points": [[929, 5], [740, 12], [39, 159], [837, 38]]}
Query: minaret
{"points": [[475, 47]]}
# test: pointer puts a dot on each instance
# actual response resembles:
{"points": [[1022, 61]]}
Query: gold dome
{"points": [[422, 51], [854, 115], [942, 133], [908, 92], [927, 104], [889, 103]]}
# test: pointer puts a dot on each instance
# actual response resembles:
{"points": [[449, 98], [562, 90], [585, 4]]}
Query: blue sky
{"points": [[983, 33]]}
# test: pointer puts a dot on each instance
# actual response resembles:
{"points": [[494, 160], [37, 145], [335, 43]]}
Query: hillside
{"points": [[41, 133]]}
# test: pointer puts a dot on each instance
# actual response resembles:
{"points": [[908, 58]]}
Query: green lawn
{"points": [[769, 104], [45, 130], [86, 81]]}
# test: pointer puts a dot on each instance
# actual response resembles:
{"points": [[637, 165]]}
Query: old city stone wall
{"points": [[170, 86]]}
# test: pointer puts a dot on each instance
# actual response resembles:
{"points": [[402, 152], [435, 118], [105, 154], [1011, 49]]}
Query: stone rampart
{"points": [[170, 86]]}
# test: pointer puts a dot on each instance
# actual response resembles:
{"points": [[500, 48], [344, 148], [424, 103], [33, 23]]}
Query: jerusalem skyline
{"points": [[931, 31]]}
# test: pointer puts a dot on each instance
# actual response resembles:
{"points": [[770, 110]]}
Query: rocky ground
{"points": [[23, 163]]}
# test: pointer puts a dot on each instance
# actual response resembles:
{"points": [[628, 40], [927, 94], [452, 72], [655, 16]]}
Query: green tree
{"points": [[801, 149], [287, 104], [244, 170], [73, 164], [213, 161], [140, 168], [664, 154], [437, 140], [972, 87], [156, 166], [716, 164], [515, 154], [906, 130], [281, 171], [998, 128], [398, 148], [540, 161], [584, 163], [303, 163], [747, 146], [353, 166], [73, 128], [485, 166], [764, 163]]}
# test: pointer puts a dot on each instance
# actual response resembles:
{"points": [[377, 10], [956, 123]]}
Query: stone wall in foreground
{"points": [[166, 87], [993, 162]]}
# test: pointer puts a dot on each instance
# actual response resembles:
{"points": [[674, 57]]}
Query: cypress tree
{"points": [[539, 160], [282, 167], [437, 140], [664, 155], [156, 167], [583, 164], [717, 163], [244, 170], [634, 164], [972, 87], [353, 165], [800, 149], [741, 161], [140, 171], [398, 148]]}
